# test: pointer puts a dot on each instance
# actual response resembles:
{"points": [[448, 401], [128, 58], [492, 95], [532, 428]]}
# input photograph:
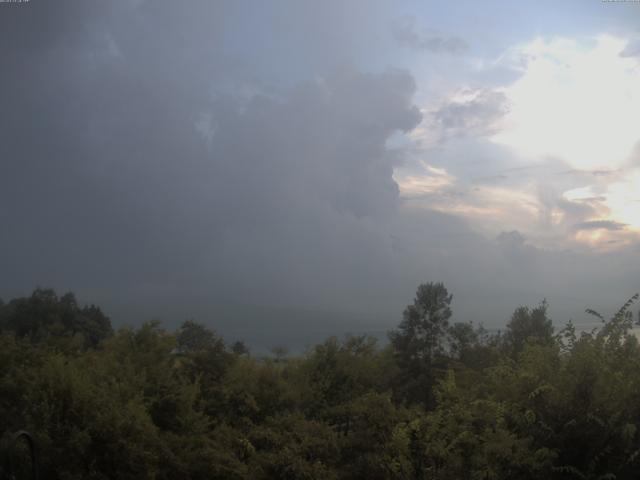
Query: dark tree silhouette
{"points": [[529, 325], [419, 339]]}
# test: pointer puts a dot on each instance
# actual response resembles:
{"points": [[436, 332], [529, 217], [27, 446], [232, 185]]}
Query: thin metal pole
{"points": [[35, 474]]}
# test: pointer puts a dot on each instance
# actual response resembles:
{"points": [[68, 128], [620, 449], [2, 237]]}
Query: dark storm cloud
{"points": [[164, 159], [97, 118], [130, 165]]}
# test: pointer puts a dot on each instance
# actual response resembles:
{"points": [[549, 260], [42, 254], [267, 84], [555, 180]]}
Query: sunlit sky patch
{"points": [[577, 100], [571, 117]]}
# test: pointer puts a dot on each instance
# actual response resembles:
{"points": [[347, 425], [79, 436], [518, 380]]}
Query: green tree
{"points": [[240, 348], [193, 337], [44, 315], [462, 337], [204, 358], [84, 425], [529, 325], [418, 342]]}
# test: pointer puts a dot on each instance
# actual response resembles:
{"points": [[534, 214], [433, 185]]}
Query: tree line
{"points": [[440, 400]]}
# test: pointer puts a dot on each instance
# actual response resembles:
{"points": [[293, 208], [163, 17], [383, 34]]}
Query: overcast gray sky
{"points": [[294, 165]]}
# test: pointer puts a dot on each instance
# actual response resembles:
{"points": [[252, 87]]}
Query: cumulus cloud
{"points": [[600, 224], [165, 161], [631, 49], [574, 101], [509, 167], [406, 33], [471, 112], [123, 176], [513, 239]]}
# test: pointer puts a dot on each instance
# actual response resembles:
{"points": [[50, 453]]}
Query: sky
{"points": [[285, 170]]}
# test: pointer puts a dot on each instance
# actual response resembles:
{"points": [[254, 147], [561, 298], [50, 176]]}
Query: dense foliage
{"points": [[440, 401]]}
